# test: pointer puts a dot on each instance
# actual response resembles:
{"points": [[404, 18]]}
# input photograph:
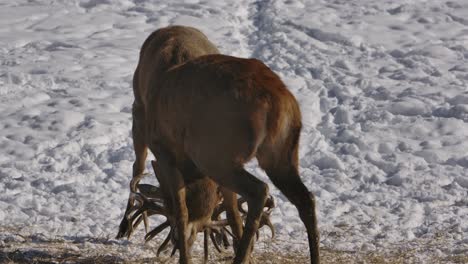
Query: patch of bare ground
{"points": [[54, 252], [20, 248]]}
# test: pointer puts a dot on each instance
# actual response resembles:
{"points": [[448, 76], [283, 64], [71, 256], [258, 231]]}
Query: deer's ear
{"points": [[153, 163]]}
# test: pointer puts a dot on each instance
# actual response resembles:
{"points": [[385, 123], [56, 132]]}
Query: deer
{"points": [[163, 49], [210, 115], [215, 113]]}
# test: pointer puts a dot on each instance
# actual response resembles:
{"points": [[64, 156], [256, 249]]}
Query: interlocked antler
{"points": [[265, 218], [150, 201], [136, 201]]}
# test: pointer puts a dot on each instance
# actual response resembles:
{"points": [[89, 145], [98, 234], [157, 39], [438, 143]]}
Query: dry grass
{"points": [[62, 253], [458, 259], [34, 249]]}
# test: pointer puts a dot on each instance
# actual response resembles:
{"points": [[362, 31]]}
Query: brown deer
{"points": [[213, 114], [163, 49]]}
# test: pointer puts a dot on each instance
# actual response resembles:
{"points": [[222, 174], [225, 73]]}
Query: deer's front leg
{"points": [[181, 213], [141, 152], [138, 135], [232, 214], [174, 181]]}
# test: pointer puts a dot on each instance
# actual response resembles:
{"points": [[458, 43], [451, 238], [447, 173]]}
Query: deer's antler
{"points": [[265, 218], [150, 201], [135, 201]]}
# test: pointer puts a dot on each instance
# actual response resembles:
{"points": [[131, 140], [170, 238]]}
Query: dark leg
{"points": [[176, 185], [255, 192], [138, 134], [206, 236], [180, 208], [141, 152], [232, 214], [290, 184]]}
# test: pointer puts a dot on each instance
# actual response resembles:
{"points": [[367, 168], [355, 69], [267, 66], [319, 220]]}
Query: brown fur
{"points": [[202, 198], [217, 112], [162, 50]]}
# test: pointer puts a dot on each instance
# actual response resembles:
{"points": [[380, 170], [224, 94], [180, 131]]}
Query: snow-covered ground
{"points": [[383, 87]]}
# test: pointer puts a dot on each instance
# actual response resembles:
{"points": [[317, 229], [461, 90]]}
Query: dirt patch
{"points": [[16, 248]]}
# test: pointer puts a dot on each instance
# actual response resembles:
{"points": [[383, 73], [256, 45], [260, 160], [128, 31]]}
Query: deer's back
{"points": [[227, 104]]}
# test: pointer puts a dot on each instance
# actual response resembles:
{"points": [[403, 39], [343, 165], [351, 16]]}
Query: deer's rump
{"points": [[219, 110]]}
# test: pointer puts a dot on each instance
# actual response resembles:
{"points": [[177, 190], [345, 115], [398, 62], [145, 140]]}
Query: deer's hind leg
{"points": [[174, 182], [289, 183], [280, 162], [236, 179], [232, 214]]}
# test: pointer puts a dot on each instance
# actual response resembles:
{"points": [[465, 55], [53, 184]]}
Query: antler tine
{"points": [[138, 221], [210, 230], [151, 191], [220, 235], [155, 195], [146, 206], [217, 224], [134, 212], [174, 249], [156, 231], [240, 202], [213, 239], [219, 209], [270, 204], [219, 228], [225, 238], [265, 217], [135, 180], [145, 221], [265, 220], [143, 216], [224, 229], [165, 243]]}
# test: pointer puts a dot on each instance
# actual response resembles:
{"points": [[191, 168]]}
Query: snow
{"points": [[382, 87]]}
